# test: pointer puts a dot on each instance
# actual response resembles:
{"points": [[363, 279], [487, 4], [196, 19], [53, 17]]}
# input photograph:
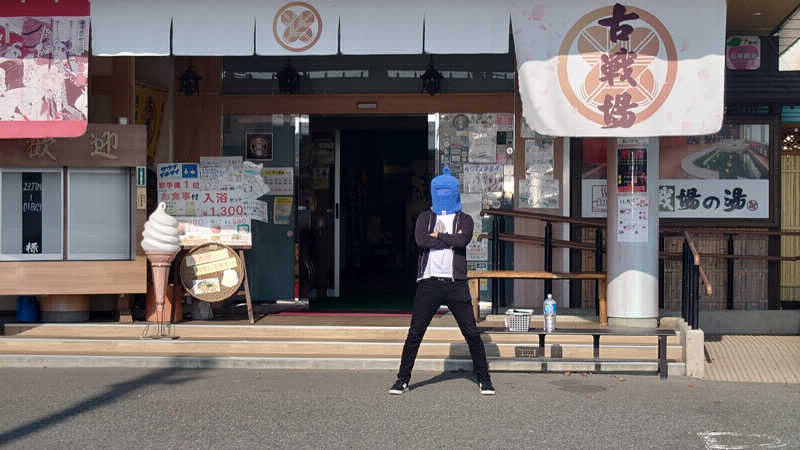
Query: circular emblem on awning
{"points": [[297, 26], [626, 68]]}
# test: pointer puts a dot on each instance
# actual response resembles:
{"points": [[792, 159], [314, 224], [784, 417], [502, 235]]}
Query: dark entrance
{"points": [[385, 170]]}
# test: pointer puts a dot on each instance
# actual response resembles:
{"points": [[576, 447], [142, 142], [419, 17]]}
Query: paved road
{"points": [[216, 409]]}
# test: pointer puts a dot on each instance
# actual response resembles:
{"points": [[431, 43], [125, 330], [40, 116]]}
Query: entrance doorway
{"points": [[369, 181]]}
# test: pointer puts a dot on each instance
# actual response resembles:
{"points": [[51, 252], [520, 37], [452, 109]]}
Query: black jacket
{"points": [[462, 227]]}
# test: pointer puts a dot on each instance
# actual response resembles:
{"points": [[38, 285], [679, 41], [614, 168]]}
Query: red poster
{"points": [[631, 170], [44, 68]]}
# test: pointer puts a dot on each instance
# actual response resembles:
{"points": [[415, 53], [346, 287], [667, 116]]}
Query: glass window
{"points": [[31, 224], [99, 220]]}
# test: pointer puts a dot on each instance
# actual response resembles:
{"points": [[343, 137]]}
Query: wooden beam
{"points": [[386, 103], [73, 277], [511, 274]]}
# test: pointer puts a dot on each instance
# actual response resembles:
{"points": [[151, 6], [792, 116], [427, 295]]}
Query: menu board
{"points": [[214, 200], [31, 213]]}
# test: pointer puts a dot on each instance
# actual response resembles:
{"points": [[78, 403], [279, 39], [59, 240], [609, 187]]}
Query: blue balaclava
{"points": [[445, 193]]}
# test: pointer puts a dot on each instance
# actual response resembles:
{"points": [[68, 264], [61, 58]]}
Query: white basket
{"points": [[518, 320]]}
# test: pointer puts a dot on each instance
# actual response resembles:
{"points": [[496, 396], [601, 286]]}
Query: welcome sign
{"points": [[645, 68]]}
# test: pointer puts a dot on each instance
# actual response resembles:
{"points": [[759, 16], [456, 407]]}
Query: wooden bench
{"points": [[661, 333], [475, 292]]}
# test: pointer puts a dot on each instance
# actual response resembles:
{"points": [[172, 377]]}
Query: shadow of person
{"points": [[442, 377], [114, 393]]}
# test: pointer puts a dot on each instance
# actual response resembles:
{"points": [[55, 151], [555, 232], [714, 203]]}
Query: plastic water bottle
{"points": [[549, 313]]}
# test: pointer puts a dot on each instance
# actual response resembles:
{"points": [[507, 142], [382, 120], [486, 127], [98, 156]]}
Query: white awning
{"points": [[212, 27], [125, 28], [281, 28], [399, 31], [472, 28]]}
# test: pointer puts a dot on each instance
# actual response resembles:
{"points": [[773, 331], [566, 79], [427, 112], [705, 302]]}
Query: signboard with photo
{"points": [[719, 176], [259, 145]]}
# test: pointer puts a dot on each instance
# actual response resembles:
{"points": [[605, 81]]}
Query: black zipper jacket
{"points": [[462, 234]]}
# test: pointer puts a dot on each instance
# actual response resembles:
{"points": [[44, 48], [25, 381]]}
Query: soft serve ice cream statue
{"points": [[160, 243], [160, 233]]}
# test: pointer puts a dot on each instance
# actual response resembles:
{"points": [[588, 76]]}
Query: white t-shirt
{"points": [[440, 262]]}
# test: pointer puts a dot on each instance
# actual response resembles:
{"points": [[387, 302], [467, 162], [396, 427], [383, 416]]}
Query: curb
{"points": [[277, 363]]}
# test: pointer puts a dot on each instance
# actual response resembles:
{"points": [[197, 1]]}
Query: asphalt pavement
{"points": [[237, 409]]}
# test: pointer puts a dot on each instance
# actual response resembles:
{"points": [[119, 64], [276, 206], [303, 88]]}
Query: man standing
{"points": [[442, 235]]}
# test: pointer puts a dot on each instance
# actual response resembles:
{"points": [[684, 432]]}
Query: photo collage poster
{"points": [[478, 149]]}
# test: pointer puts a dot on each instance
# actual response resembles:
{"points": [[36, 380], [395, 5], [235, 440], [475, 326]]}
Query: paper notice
{"points": [[258, 210], [632, 218], [280, 180], [283, 210], [203, 258], [206, 286], [216, 266], [478, 250], [471, 205]]}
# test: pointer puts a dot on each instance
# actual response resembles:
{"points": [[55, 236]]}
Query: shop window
{"points": [[720, 176], [99, 214], [31, 205]]}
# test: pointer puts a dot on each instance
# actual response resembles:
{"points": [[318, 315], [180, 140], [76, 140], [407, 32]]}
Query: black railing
{"points": [[690, 297]]}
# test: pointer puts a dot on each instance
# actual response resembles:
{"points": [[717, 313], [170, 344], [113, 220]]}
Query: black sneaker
{"points": [[399, 387], [486, 387]]}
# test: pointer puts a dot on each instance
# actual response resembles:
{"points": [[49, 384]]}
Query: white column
{"points": [[632, 257]]}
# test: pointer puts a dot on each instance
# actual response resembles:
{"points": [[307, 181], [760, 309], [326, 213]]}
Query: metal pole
{"points": [[501, 261], [548, 256], [685, 282], [495, 242], [661, 272], [731, 263], [696, 289], [598, 266]]}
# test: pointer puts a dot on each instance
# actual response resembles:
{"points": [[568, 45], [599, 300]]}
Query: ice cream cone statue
{"points": [[160, 244]]}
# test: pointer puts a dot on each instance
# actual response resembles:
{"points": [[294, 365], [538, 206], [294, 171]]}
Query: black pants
{"points": [[431, 294]]}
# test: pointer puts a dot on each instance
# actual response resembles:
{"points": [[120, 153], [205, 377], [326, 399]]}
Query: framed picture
{"points": [[259, 145]]}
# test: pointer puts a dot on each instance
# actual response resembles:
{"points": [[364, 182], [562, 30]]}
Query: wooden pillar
{"points": [[198, 118], [475, 295], [123, 95]]}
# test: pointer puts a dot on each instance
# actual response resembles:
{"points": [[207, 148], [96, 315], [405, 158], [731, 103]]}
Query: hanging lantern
{"points": [[190, 81], [288, 80], [431, 79]]}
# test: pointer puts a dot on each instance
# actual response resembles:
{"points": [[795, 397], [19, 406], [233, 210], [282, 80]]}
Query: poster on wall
{"points": [[283, 210], [631, 170], [478, 250], [743, 53], [233, 231], [539, 158], [31, 213], [44, 68], [483, 139], [471, 204], [482, 178], [632, 217], [259, 145], [280, 180], [537, 192]]}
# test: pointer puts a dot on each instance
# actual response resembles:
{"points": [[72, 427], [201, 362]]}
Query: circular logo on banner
{"points": [[625, 69], [297, 26]]}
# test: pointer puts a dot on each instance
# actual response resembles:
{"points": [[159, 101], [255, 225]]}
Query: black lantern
{"points": [[190, 81], [431, 79], [288, 80]]}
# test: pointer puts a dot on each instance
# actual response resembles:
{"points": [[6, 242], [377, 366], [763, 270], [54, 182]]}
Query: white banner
{"points": [[646, 68], [692, 199]]}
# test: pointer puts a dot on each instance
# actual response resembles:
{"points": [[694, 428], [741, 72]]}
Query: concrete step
{"points": [[309, 348], [306, 363], [309, 332]]}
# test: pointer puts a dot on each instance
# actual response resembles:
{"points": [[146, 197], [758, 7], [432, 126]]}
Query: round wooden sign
{"points": [[212, 272]]}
